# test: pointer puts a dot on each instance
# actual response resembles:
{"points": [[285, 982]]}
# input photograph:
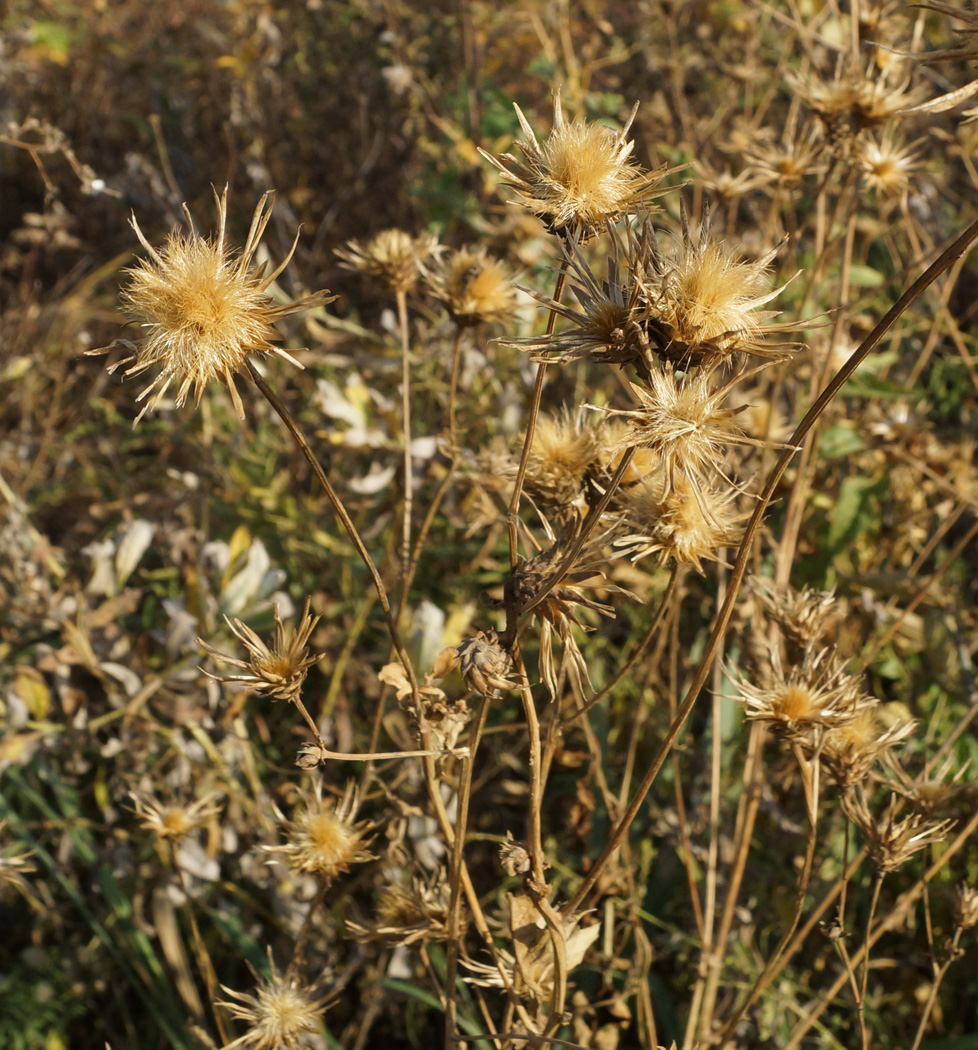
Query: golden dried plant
{"points": [[205, 308]]}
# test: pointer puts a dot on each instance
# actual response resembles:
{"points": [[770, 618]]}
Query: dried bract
{"points": [[892, 842], [205, 309], [965, 906], [484, 664]]}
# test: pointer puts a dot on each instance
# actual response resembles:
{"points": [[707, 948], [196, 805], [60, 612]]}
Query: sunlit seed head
{"points": [[279, 1013], [392, 255], [205, 309], [887, 165], [580, 178], [173, 823], [474, 288]]}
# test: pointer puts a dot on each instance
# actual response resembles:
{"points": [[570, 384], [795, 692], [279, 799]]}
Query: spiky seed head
{"points": [[887, 164], [474, 288], [324, 838], [580, 178], [804, 616], [173, 823], [683, 521], [850, 751], [805, 702], [277, 671], [409, 914], [13, 869], [279, 1013], [392, 255], [682, 420], [707, 299], [561, 452], [891, 841], [205, 308]]}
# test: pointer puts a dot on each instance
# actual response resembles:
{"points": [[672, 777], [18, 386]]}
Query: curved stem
{"points": [[341, 512]]}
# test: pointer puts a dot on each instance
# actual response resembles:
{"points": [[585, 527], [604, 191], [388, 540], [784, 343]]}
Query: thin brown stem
{"points": [[944, 260], [341, 512]]}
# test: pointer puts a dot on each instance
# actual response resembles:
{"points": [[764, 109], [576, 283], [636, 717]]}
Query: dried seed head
{"points": [[928, 794], [324, 838], [965, 906], [205, 309], [279, 1013], [582, 177], [561, 452], [803, 616], [855, 100], [484, 664], [409, 914], [802, 704], [277, 672], [889, 841], [686, 522], [787, 163], [173, 823], [887, 164], [393, 255], [473, 287], [705, 301], [850, 751], [682, 420]]}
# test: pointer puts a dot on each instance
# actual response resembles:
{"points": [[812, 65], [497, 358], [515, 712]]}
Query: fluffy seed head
{"points": [[810, 699], [277, 672], [580, 178], [850, 751], [473, 287], [279, 1013], [561, 453], [324, 838], [173, 823], [205, 309], [393, 255]]}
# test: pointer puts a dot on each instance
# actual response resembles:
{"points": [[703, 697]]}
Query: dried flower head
{"points": [[850, 751], [965, 906], [929, 793], [551, 589], [205, 309], [855, 100], [804, 616], [324, 838], [173, 823], [582, 177], [682, 420], [562, 451], [409, 914], [889, 841], [277, 672], [686, 522], [609, 324], [887, 164], [392, 255], [514, 856], [786, 163], [484, 664], [279, 1013], [810, 699], [705, 301], [474, 288]]}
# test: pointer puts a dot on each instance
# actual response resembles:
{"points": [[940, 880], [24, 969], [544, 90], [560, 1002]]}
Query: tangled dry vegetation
{"points": [[554, 622]]}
